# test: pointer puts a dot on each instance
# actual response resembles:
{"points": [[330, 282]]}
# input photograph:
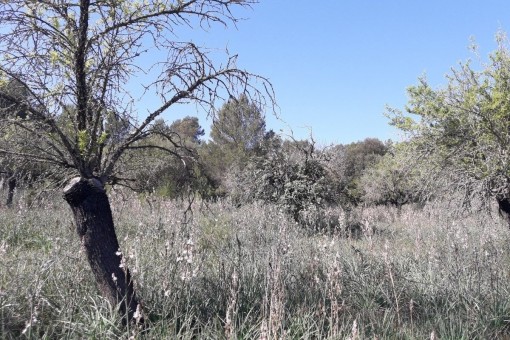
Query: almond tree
{"points": [[460, 133], [75, 59]]}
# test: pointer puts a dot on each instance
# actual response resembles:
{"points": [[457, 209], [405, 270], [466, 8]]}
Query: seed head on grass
{"points": [[354, 331], [31, 322]]}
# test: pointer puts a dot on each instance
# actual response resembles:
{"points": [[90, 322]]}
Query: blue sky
{"points": [[336, 64]]}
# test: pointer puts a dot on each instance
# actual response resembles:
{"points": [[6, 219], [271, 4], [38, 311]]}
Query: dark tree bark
{"points": [[504, 208], [94, 224], [11, 187]]}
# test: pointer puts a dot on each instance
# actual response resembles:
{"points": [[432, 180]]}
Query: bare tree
{"points": [[74, 59]]}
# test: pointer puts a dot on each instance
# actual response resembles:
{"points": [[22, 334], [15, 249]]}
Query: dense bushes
{"points": [[297, 176], [246, 163]]}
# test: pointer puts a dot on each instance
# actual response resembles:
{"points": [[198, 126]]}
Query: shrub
{"points": [[294, 179]]}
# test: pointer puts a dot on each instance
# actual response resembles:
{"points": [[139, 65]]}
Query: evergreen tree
{"points": [[236, 135], [240, 126]]}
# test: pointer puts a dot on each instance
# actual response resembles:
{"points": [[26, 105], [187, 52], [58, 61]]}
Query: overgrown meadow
{"points": [[217, 271]]}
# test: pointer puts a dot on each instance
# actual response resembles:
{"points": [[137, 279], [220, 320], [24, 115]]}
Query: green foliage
{"points": [[16, 169], [349, 162], [103, 138], [237, 135], [83, 140], [461, 132], [187, 131], [394, 179], [291, 175], [175, 170], [240, 126]]}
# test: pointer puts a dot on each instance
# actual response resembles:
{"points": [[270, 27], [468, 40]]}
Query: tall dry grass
{"points": [[252, 273]]}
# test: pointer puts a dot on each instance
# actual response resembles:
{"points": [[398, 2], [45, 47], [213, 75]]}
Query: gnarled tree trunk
{"points": [[94, 224]]}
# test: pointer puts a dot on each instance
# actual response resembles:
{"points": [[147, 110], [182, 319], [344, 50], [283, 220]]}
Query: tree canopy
{"points": [[240, 125], [461, 132], [237, 134]]}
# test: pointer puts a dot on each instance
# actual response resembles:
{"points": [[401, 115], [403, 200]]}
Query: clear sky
{"points": [[336, 64]]}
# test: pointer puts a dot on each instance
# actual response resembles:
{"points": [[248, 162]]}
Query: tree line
{"points": [[243, 160]]}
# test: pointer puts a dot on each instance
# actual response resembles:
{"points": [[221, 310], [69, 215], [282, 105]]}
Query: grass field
{"points": [[251, 273]]}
